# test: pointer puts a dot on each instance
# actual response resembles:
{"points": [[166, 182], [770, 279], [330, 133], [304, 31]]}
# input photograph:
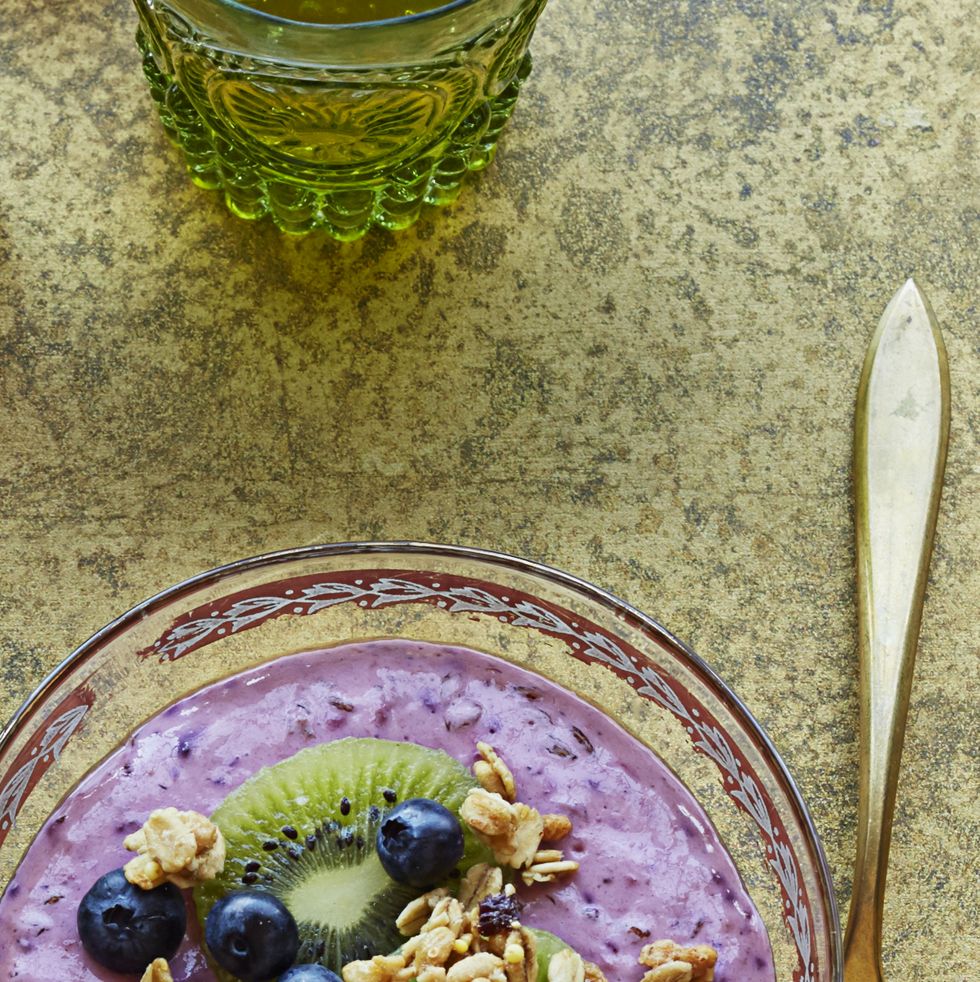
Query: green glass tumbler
{"points": [[335, 127]]}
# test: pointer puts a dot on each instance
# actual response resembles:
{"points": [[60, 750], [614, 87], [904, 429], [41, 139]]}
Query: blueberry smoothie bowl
{"points": [[389, 762]]}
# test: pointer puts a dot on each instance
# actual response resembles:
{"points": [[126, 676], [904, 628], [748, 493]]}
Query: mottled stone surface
{"points": [[630, 350]]}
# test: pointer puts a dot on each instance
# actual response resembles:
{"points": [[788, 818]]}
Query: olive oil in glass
{"points": [[342, 11]]}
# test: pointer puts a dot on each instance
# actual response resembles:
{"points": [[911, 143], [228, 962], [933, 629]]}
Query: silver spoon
{"points": [[901, 432]]}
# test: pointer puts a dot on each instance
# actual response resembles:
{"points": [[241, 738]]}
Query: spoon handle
{"points": [[901, 432]]}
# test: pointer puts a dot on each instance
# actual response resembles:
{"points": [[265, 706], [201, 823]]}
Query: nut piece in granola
{"points": [[381, 968], [157, 971], [182, 847], [670, 962], [593, 973], [493, 774], [566, 966], [546, 865], [480, 881], [418, 911], [556, 827], [520, 955], [482, 965]]}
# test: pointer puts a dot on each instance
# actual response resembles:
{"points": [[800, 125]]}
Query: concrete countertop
{"points": [[630, 350]]}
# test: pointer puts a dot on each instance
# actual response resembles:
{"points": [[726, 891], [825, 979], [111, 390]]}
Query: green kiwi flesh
{"points": [[304, 830]]}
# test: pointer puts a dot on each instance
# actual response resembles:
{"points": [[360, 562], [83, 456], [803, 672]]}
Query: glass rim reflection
{"points": [[274, 19]]}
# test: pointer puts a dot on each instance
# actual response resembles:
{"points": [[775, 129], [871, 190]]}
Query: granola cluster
{"points": [[569, 966], [670, 962], [514, 831], [182, 847], [157, 971], [449, 940]]}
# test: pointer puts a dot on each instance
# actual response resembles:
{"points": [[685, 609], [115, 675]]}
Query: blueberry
{"points": [[124, 928], [419, 842], [309, 973], [252, 935]]}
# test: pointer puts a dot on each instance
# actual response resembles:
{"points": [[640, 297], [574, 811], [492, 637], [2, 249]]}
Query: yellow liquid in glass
{"points": [[342, 11]]}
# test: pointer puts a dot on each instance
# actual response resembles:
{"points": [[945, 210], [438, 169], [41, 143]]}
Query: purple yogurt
{"points": [[652, 866]]}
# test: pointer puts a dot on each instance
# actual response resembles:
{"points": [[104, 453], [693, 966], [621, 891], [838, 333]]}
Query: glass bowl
{"points": [[625, 663]]}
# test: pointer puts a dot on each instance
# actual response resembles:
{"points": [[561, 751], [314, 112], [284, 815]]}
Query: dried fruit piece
{"points": [[498, 912]]}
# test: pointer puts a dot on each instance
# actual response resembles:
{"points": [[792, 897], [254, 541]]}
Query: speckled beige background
{"points": [[630, 350]]}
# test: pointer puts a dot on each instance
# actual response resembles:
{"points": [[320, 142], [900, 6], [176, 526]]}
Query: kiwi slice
{"points": [[304, 830]]}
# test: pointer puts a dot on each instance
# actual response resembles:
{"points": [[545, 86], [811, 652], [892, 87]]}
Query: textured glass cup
{"points": [[338, 127]]}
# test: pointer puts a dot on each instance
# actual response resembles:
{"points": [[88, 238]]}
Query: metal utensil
{"points": [[901, 432]]}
